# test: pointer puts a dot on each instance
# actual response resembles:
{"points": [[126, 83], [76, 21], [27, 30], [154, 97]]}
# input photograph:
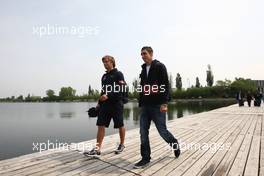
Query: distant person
{"points": [[153, 101], [240, 98], [110, 106], [249, 99], [257, 99], [262, 97]]}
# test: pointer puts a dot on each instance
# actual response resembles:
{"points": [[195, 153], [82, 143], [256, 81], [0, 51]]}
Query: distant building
{"points": [[260, 85]]}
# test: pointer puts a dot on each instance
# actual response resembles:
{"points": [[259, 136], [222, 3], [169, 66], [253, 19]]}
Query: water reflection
{"points": [[176, 109], [67, 114], [67, 110], [126, 113]]}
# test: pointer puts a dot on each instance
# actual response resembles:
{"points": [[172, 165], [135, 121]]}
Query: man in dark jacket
{"points": [[249, 99], [240, 98], [153, 101], [110, 105]]}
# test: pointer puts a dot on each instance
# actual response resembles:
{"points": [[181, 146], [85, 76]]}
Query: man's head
{"points": [[147, 54], [109, 62]]}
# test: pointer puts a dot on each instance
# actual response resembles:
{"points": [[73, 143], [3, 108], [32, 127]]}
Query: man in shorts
{"points": [[110, 105]]}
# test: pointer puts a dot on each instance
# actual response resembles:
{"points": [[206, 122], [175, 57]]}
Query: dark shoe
{"points": [[119, 149], [93, 153], [141, 164], [176, 149]]}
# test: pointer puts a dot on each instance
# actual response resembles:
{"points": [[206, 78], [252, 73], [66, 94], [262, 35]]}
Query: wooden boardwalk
{"points": [[225, 141]]}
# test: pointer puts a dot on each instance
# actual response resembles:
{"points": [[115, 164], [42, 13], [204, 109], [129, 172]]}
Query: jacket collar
{"points": [[112, 71], [152, 63]]}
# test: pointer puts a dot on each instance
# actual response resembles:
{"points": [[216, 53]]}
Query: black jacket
{"points": [[157, 76], [114, 77]]}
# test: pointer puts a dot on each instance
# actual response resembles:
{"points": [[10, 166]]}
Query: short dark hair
{"points": [[148, 49]]}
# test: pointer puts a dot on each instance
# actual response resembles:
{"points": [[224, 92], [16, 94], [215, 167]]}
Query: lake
{"points": [[22, 124]]}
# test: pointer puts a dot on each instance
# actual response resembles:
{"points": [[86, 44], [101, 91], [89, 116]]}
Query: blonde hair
{"points": [[111, 58]]}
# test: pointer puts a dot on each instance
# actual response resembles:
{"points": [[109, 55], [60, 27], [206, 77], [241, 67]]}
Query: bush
{"points": [[216, 91]]}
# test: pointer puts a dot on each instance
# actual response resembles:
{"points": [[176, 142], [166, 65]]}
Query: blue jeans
{"points": [[148, 113]]}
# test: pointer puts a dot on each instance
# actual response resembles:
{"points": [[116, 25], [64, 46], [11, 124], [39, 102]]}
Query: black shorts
{"points": [[107, 112]]}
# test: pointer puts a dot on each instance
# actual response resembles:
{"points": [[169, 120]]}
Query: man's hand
{"points": [[103, 97], [164, 108]]}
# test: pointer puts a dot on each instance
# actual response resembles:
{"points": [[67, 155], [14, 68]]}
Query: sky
{"points": [[185, 35]]}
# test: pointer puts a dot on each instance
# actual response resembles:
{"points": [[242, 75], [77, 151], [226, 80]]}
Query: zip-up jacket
{"points": [[155, 85]]}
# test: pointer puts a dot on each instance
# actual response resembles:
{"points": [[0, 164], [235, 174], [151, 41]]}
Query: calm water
{"points": [[21, 124]]}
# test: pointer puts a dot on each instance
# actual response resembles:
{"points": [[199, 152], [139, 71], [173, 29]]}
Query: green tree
{"points": [[67, 93], [13, 98], [90, 90], [135, 85], [35, 98], [50, 93], [28, 98], [243, 85], [197, 83], [224, 83], [178, 82], [170, 82], [209, 76], [20, 98]]}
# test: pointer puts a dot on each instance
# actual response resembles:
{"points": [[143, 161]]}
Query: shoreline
{"points": [[134, 100]]}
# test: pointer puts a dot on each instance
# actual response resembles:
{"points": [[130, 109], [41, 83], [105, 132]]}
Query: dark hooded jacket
{"points": [[158, 77], [114, 77]]}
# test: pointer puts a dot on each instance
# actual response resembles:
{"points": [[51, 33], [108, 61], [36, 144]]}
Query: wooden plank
{"points": [[213, 163], [219, 138], [75, 169], [252, 166], [211, 160], [165, 165], [261, 165], [156, 152], [45, 167], [227, 162], [127, 155]]}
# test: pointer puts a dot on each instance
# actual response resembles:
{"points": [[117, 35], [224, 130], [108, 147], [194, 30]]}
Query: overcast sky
{"points": [[185, 35]]}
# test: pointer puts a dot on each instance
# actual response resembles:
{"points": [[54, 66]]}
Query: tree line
{"points": [[222, 89], [65, 94]]}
